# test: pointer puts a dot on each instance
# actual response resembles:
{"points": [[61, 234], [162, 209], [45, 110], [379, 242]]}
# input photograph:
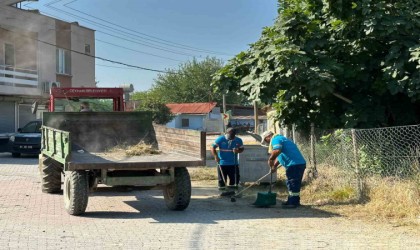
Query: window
{"points": [[63, 61], [87, 48], [32, 127], [185, 123]]}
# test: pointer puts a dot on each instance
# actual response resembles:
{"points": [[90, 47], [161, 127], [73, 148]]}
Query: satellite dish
{"points": [[34, 107]]}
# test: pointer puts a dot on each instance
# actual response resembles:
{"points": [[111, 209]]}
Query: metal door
{"points": [[7, 117]]}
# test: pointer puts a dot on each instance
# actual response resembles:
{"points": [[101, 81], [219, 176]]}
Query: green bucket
{"points": [[265, 199]]}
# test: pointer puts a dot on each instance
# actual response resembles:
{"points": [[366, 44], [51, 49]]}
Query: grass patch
{"points": [[330, 187], [203, 173], [387, 198], [394, 199], [343, 194]]}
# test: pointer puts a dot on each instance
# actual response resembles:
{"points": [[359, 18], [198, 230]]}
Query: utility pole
{"points": [[255, 117], [224, 111], [224, 104]]}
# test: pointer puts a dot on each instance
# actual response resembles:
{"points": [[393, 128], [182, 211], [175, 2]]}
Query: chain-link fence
{"points": [[356, 155]]}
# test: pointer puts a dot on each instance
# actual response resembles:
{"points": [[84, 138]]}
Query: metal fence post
{"points": [[294, 133], [359, 181], [313, 172]]}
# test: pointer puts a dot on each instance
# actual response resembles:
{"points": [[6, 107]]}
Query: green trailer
{"points": [[78, 148]]}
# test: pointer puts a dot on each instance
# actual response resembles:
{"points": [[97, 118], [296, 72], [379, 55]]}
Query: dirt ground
{"points": [[351, 212]]}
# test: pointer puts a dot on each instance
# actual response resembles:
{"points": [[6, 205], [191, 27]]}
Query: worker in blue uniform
{"points": [[285, 152], [227, 158]]}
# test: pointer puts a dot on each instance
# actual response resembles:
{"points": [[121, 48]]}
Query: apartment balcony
{"points": [[18, 81]]}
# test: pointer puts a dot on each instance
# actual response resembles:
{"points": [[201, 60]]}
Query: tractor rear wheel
{"points": [[50, 171]]}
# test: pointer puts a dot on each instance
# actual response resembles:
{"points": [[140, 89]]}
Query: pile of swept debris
{"points": [[136, 150]]}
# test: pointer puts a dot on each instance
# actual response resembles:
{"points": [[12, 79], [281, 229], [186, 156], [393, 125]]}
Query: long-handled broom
{"points": [[266, 197]]}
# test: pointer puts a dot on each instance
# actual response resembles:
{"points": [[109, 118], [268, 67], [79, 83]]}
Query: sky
{"points": [[161, 34]]}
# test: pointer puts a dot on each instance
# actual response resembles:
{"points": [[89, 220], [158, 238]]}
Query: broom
{"points": [[233, 198]]}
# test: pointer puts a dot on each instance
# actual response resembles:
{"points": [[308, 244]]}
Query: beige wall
{"points": [[23, 23], [25, 48], [83, 67], [46, 55]]}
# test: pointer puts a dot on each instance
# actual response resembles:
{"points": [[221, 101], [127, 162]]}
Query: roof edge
{"points": [[9, 4]]}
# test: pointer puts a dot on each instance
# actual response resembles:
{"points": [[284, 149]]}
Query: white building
{"points": [[198, 116]]}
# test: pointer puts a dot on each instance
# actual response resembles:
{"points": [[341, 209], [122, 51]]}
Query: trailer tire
{"points": [[50, 171], [76, 189], [178, 193]]}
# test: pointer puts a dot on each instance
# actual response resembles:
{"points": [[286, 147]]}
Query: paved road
{"points": [[30, 219]]}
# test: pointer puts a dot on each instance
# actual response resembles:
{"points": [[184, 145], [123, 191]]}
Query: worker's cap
{"points": [[265, 135], [230, 131]]}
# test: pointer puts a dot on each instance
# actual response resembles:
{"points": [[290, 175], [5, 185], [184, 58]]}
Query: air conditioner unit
{"points": [[48, 85]]}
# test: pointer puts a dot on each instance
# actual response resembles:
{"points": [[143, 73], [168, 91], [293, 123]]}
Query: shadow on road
{"points": [[206, 207]]}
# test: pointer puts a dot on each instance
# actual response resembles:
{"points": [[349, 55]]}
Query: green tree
{"points": [[191, 82], [148, 101], [339, 63]]}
